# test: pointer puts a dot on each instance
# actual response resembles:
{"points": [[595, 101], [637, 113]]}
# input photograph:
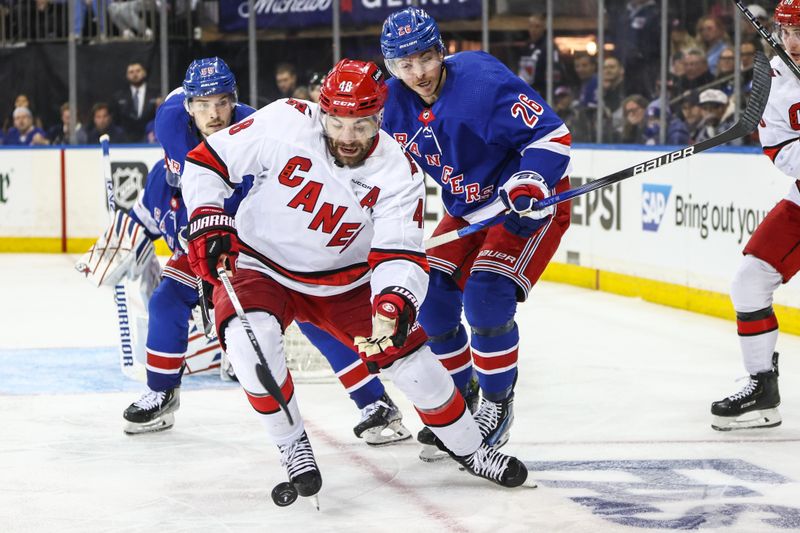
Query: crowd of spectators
{"points": [[700, 83]]}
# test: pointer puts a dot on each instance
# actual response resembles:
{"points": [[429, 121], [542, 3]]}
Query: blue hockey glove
{"points": [[519, 194]]}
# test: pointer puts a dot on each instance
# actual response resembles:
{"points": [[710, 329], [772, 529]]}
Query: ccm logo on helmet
{"points": [[344, 103]]}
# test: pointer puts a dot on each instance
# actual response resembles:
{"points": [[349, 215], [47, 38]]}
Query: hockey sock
{"points": [[495, 353], [453, 351], [758, 334]]}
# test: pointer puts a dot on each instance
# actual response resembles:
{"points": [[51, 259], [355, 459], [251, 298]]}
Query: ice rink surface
{"points": [[612, 418]]}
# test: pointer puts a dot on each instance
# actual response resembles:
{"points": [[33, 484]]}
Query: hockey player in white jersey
{"points": [[331, 233], [772, 255]]}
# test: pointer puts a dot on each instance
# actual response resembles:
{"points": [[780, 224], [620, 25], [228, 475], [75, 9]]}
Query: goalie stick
{"points": [[128, 364], [262, 370], [769, 38], [762, 81]]}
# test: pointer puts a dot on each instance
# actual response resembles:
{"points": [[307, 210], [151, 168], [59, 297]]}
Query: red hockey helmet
{"points": [[787, 13], [353, 89]]}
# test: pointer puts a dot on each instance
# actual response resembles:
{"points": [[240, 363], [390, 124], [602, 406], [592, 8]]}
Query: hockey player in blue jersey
{"points": [[206, 103], [493, 145]]}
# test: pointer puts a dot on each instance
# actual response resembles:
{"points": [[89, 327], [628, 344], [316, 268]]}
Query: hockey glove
{"points": [[392, 317], [124, 249], [212, 239], [519, 194]]}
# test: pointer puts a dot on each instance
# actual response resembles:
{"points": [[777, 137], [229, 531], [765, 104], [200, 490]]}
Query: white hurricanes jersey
{"points": [[779, 130], [314, 226]]}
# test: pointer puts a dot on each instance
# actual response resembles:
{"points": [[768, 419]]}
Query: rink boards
{"points": [[673, 235]]}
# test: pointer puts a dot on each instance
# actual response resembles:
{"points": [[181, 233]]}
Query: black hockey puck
{"points": [[284, 494]]}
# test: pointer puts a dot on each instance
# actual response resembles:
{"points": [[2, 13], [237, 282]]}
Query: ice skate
{"points": [[431, 452], [495, 419], [381, 423], [755, 406], [152, 412], [298, 458], [490, 463]]}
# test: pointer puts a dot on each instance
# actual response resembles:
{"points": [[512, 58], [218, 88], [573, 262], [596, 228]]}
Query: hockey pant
{"points": [[169, 310], [418, 375], [489, 302], [363, 387]]}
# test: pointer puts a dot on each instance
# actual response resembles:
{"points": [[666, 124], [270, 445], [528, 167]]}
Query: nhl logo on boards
{"points": [[128, 178]]}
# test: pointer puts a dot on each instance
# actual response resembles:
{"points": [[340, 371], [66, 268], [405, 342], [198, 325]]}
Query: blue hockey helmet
{"points": [[407, 32], [209, 76]]}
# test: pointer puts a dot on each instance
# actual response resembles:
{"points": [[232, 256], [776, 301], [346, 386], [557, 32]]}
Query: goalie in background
{"points": [[772, 255]]}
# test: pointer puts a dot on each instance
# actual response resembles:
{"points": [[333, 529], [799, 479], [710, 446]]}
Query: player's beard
{"points": [[351, 153]]}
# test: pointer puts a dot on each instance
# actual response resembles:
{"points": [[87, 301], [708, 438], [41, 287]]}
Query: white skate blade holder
{"points": [[165, 421], [763, 418], [393, 432]]}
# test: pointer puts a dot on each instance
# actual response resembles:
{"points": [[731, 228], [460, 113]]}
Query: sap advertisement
{"points": [[308, 13], [684, 223]]}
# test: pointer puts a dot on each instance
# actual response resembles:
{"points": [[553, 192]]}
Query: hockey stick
{"points": [[770, 40], [262, 370], [127, 362], [762, 81]]}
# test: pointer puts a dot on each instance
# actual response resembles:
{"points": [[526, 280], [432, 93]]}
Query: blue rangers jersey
{"points": [[160, 208], [176, 132], [486, 125]]}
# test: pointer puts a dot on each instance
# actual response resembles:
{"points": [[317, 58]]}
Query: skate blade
{"points": [[764, 418], [313, 500], [432, 454], [161, 423], [393, 432]]}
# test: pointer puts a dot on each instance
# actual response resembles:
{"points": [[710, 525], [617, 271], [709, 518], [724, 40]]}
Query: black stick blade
{"points": [[274, 390], [762, 83]]}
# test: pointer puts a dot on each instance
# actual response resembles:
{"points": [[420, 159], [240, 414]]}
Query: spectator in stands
{"points": [[59, 134], [128, 17], [715, 38], [285, 79], [314, 85], [102, 122], [725, 68], [748, 52], [301, 93], [24, 133], [135, 105], [614, 89], [716, 115], [532, 64], [749, 32], [638, 45], [572, 114], [21, 100], [634, 109], [696, 72], [96, 16], [692, 114], [680, 39], [41, 20], [677, 131], [586, 71]]}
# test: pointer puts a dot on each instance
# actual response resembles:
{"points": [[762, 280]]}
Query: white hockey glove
{"points": [[124, 249], [519, 194]]}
